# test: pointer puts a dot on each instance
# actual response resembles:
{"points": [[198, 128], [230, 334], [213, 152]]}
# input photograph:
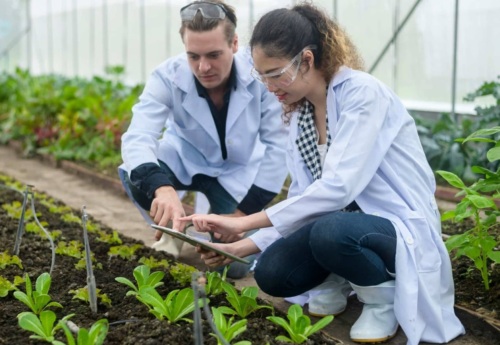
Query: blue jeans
{"points": [[221, 202], [356, 246]]}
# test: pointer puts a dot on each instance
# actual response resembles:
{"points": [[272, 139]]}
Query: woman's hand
{"points": [[223, 225], [242, 248], [212, 259]]}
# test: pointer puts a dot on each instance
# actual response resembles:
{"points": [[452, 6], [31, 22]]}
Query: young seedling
{"points": [[227, 328], [39, 299], [151, 262], [243, 304], [71, 248], [83, 295], [125, 252], [94, 336], [298, 326], [6, 285], [174, 307], [182, 273], [6, 259], [42, 325], [144, 278], [213, 286]]}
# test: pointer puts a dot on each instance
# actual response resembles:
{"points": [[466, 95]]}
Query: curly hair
{"points": [[283, 33]]}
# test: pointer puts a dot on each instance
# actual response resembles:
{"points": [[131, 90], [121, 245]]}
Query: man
{"points": [[204, 124]]}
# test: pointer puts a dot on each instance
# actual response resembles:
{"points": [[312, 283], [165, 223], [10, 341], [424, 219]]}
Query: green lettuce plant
{"points": [[174, 307], [94, 336], [6, 259], [228, 329], [151, 262], [144, 278], [83, 295], [6, 285], [37, 300], [182, 273], [213, 286], [298, 326], [478, 204], [125, 252], [243, 304], [42, 325]]}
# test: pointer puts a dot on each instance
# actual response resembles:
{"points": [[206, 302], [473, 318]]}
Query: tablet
{"points": [[194, 241]]}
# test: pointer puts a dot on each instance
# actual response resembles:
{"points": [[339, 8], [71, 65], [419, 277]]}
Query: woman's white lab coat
{"points": [[255, 135], [376, 159]]}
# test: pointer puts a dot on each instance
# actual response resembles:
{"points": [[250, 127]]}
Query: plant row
{"points": [[229, 323]]}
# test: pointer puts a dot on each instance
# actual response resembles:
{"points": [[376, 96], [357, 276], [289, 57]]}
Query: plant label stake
{"points": [[20, 228], [91, 287]]}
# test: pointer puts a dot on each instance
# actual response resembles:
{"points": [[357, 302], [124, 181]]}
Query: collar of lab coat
{"points": [[184, 80]]}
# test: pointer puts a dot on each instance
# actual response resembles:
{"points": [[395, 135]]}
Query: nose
{"points": [[204, 65], [271, 87]]}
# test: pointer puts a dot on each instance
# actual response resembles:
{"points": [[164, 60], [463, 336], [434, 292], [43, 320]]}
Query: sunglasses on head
{"points": [[208, 10]]}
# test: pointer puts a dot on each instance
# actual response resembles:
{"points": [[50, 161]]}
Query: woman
{"points": [[361, 203]]}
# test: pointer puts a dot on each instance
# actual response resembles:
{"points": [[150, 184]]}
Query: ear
{"points": [[235, 43], [309, 58]]}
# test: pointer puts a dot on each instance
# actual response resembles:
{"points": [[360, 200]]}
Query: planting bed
{"points": [[35, 253], [130, 321]]}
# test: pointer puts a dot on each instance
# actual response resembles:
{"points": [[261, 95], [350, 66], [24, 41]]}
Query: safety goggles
{"points": [[208, 10], [286, 75]]}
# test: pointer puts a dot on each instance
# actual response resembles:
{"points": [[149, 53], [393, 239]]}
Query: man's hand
{"points": [[166, 206]]}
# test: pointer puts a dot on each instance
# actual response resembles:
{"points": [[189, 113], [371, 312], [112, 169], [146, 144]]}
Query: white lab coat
{"points": [[376, 159], [255, 136]]}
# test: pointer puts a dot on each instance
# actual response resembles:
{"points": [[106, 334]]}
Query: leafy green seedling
{"points": [[6, 259], [182, 273], [39, 299], [174, 307], [213, 287], [6, 285], [125, 252], [72, 248], [71, 218], [83, 295], [299, 326], [109, 238], [243, 304], [477, 204], [42, 326], [151, 262], [227, 328], [144, 278], [94, 336]]}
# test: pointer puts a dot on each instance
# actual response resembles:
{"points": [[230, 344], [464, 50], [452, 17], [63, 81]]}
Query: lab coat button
{"points": [[409, 240]]}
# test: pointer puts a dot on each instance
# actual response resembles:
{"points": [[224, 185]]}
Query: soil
{"points": [[130, 321], [469, 287]]}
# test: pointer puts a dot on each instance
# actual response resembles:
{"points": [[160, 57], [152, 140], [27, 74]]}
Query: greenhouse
{"points": [[369, 213]]}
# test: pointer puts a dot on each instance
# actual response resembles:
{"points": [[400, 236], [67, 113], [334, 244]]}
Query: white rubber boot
{"points": [[331, 296], [377, 322], [169, 244]]}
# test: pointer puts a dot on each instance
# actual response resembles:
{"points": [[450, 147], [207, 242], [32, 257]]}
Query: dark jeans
{"points": [[221, 202], [356, 246]]}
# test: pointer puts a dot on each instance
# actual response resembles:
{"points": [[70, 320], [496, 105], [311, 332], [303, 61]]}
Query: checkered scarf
{"points": [[307, 142]]}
